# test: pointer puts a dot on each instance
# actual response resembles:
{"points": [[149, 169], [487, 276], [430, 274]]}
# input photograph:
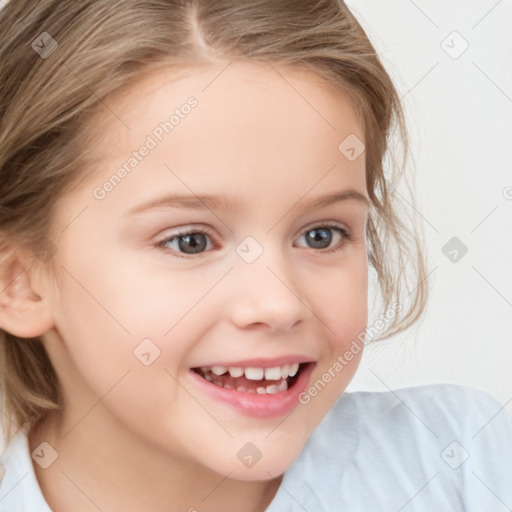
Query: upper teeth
{"points": [[255, 373]]}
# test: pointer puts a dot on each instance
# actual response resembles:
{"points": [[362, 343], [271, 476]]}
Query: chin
{"points": [[260, 472], [253, 464]]}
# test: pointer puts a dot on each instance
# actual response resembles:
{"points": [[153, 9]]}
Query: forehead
{"points": [[256, 95], [249, 79], [253, 123]]}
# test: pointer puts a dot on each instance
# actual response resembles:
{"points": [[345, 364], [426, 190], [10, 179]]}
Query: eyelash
{"points": [[161, 244]]}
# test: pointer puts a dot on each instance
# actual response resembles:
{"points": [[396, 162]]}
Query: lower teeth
{"points": [[261, 390]]}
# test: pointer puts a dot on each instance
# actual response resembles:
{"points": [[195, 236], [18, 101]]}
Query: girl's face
{"points": [[221, 229]]}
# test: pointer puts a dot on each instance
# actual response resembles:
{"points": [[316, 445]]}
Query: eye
{"points": [[187, 242], [325, 237]]}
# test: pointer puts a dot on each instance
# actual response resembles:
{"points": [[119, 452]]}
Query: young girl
{"points": [[192, 194]]}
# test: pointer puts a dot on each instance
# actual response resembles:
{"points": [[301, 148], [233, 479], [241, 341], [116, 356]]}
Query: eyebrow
{"points": [[234, 205]]}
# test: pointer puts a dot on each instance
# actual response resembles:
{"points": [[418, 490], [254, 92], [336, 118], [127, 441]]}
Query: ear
{"points": [[23, 311]]}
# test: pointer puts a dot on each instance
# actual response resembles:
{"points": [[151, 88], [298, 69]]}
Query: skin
{"points": [[133, 437]]}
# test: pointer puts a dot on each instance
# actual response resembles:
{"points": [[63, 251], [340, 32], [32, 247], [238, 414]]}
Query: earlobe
{"points": [[23, 312]]}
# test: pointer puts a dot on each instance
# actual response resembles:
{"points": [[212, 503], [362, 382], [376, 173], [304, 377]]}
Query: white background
{"points": [[459, 113]]}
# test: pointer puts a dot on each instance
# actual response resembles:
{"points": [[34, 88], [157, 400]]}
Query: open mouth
{"points": [[253, 379]]}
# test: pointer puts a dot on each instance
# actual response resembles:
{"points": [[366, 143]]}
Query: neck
{"points": [[100, 467]]}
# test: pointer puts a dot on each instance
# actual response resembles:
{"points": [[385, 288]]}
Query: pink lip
{"points": [[252, 404]]}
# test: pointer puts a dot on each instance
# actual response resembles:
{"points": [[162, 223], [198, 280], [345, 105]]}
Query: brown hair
{"points": [[105, 46]]}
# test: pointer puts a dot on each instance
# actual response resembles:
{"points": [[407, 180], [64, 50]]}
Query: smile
{"points": [[252, 379], [256, 388]]}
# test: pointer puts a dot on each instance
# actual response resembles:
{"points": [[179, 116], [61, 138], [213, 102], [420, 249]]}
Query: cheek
{"points": [[115, 314], [342, 302], [125, 341], [343, 309]]}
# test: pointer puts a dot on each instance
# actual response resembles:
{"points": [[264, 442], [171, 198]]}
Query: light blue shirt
{"points": [[429, 448]]}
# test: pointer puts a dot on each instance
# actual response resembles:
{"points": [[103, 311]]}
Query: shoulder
{"points": [[441, 422], [433, 447], [427, 413], [441, 406]]}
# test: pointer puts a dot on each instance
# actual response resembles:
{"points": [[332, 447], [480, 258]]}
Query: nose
{"points": [[267, 296]]}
